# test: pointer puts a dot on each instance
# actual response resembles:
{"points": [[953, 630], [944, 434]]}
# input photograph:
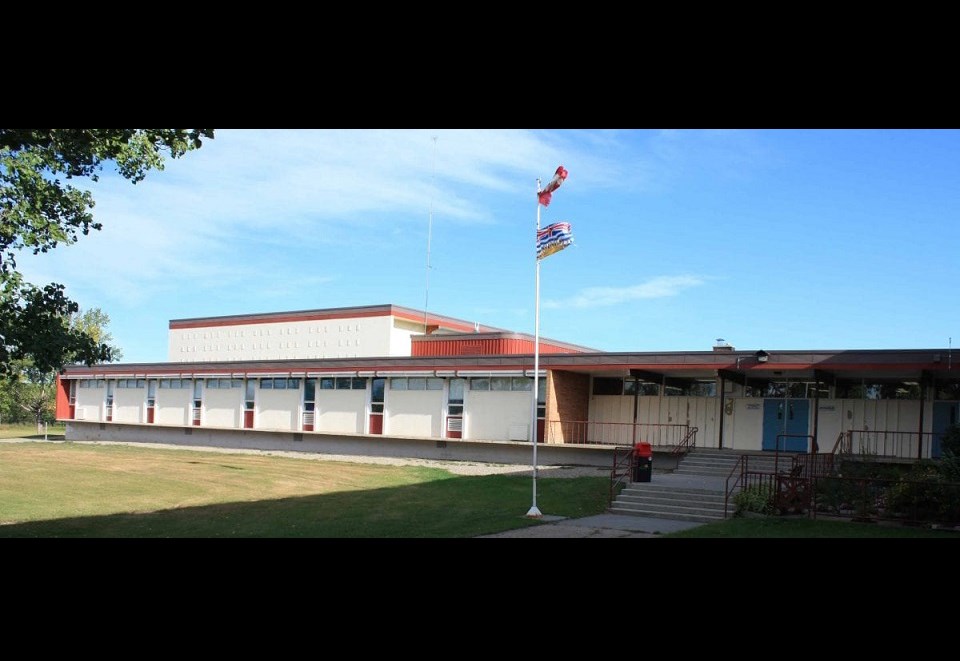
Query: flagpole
{"points": [[534, 511]]}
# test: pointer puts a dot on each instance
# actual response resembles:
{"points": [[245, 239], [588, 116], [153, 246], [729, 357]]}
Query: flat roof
{"points": [[408, 314], [881, 364]]}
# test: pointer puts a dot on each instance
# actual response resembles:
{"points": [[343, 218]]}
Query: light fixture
{"points": [[762, 356]]}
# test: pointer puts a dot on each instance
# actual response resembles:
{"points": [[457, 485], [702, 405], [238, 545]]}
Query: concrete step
{"points": [[670, 501], [645, 488], [697, 518], [708, 470]]}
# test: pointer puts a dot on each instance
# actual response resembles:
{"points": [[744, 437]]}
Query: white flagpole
{"points": [[534, 511]]}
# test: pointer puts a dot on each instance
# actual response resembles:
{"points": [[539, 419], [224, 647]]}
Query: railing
{"points": [[786, 485], [737, 469], [615, 433], [622, 466], [838, 447], [815, 465], [687, 443], [888, 444]]}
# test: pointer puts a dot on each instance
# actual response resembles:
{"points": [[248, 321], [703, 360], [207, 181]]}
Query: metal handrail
{"points": [[617, 476], [689, 441], [740, 466], [839, 444], [890, 443]]}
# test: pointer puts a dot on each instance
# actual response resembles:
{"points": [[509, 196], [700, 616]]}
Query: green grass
{"points": [[795, 527], [29, 430], [82, 490]]}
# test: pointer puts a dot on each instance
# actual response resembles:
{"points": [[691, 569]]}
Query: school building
{"points": [[391, 380]]}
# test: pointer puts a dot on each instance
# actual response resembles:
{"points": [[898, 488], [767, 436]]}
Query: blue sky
{"points": [[772, 239]]}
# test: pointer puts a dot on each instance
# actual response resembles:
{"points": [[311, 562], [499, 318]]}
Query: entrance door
{"points": [[797, 412], [945, 414]]}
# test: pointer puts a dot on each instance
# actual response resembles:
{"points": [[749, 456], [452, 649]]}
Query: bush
{"points": [[925, 494], [756, 498]]}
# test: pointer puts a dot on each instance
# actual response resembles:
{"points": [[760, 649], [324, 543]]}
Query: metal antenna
{"points": [[426, 296]]}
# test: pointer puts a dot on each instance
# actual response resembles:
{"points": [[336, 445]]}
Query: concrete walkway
{"points": [[598, 526]]}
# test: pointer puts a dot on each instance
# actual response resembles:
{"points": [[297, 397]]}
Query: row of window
{"points": [[772, 389], [496, 383], [501, 383]]}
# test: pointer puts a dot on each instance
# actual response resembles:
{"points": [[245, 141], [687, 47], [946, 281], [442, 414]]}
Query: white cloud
{"points": [[658, 287]]}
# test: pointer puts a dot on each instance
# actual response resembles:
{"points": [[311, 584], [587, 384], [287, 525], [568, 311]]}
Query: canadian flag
{"points": [[558, 177]]}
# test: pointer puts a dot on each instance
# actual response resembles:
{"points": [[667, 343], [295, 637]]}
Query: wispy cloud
{"points": [[659, 287]]}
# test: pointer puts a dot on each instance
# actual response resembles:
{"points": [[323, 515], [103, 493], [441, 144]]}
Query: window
{"points": [[641, 388], [521, 383], [266, 384], [309, 390], [213, 383], [607, 386], [376, 395], [398, 383], [455, 397], [416, 383], [503, 383]]}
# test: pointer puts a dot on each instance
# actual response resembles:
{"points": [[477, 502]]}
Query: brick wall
{"points": [[568, 399]]}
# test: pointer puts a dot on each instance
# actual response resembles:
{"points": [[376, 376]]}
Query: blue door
{"points": [[945, 414], [797, 412]]}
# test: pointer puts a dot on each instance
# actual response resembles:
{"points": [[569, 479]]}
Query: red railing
{"points": [[764, 481], [686, 444], [885, 443], [622, 466], [616, 433]]}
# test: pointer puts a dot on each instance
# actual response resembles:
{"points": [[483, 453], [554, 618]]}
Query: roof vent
{"points": [[722, 345]]}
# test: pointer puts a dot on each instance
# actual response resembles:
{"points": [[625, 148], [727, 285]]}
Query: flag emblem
{"points": [[553, 238], [558, 178]]}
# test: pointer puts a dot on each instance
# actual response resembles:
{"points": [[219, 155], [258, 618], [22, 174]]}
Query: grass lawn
{"points": [[29, 430], [81, 490], [802, 527]]}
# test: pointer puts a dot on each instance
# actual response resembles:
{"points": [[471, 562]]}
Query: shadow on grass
{"points": [[451, 507]]}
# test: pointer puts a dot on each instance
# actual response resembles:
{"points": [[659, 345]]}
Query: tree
{"points": [[39, 210], [28, 393]]}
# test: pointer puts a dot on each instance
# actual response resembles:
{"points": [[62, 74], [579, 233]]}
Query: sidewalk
{"points": [[598, 526]]}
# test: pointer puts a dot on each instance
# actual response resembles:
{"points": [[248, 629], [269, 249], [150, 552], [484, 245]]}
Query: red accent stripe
{"points": [[63, 399]]}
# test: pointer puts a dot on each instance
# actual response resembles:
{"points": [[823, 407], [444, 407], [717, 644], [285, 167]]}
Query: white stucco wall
{"points": [[129, 404], [400, 332], [337, 338], [699, 412], [278, 409], [174, 406], [89, 404], [497, 415], [414, 413], [222, 407], [340, 411]]}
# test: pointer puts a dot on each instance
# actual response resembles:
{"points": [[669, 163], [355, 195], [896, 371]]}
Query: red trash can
{"points": [[642, 462]]}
